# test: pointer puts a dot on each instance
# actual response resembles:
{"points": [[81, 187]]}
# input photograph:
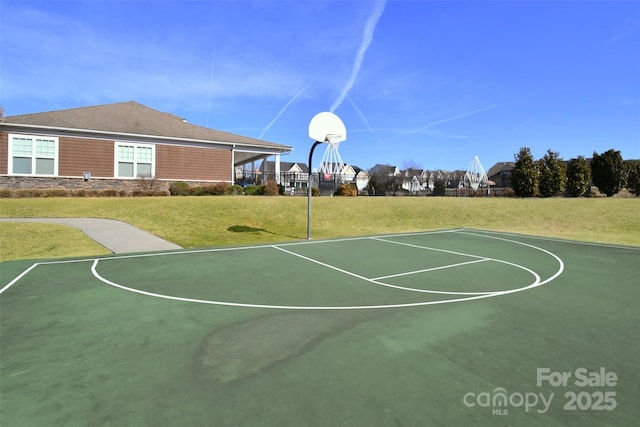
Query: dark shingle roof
{"points": [[500, 166], [132, 118]]}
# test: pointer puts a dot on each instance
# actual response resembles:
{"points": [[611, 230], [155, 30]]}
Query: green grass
{"points": [[24, 240], [234, 220]]}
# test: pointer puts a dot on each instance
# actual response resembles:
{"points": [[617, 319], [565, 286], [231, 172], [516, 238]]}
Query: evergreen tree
{"points": [[440, 188], [633, 176], [553, 175], [578, 176], [524, 177], [608, 172]]}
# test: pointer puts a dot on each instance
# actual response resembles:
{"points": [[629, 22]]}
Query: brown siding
{"points": [[77, 155], [93, 155], [193, 163], [4, 152]]}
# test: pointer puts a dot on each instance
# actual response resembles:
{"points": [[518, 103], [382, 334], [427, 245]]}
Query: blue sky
{"points": [[423, 83]]}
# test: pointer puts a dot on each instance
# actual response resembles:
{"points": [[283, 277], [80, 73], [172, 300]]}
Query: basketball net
{"points": [[475, 175], [332, 163]]}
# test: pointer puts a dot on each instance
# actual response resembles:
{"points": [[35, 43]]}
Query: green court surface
{"points": [[453, 327]]}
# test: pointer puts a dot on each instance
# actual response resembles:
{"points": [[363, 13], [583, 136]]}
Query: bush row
{"points": [[58, 192], [223, 188]]}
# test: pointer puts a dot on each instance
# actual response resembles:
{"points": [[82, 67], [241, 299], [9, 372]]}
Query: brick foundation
{"points": [[128, 185]]}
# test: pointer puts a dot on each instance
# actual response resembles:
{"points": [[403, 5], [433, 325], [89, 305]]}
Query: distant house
{"points": [[290, 175], [112, 146], [433, 176], [414, 180], [362, 178], [348, 173], [380, 170], [500, 174]]}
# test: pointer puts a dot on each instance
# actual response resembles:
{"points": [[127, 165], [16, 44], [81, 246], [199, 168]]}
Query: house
{"points": [[291, 175], [414, 180], [294, 176], [384, 171], [362, 178], [500, 174], [115, 145], [348, 173]]}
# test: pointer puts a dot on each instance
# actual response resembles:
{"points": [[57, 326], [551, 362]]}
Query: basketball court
{"points": [[450, 327]]}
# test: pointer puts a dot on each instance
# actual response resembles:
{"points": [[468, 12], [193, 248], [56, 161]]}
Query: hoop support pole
{"points": [[309, 190]]}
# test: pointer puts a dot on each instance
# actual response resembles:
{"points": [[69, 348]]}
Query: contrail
{"points": [[367, 37], [437, 122], [364, 119], [282, 111], [460, 116]]}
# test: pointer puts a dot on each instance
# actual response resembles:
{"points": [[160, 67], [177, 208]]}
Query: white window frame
{"points": [[136, 161], [33, 156]]}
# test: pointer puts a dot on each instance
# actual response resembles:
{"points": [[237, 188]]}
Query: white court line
{"points": [[442, 267], [24, 273], [476, 256], [428, 248], [292, 307], [211, 250], [377, 282], [281, 307], [14, 281], [473, 296], [550, 239]]}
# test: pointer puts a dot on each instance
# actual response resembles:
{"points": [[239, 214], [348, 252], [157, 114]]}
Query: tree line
{"points": [[551, 176]]}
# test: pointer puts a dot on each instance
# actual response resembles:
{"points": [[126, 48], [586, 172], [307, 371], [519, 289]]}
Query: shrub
{"points": [[206, 190], [25, 192], [508, 192], [221, 188], [348, 190], [179, 189], [56, 192], [271, 188], [145, 193], [147, 183], [217, 189], [315, 192], [109, 192], [234, 190], [254, 190]]}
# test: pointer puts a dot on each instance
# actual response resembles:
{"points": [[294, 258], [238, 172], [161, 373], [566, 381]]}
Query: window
{"points": [[33, 155], [135, 160]]}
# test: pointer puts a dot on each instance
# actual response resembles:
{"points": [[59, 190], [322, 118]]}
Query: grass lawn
{"points": [[236, 220]]}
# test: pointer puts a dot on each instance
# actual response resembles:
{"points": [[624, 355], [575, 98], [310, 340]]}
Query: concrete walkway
{"points": [[117, 236]]}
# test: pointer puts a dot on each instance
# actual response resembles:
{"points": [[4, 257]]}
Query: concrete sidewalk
{"points": [[117, 236]]}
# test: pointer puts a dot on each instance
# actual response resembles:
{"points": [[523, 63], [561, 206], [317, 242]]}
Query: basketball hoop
{"points": [[324, 127], [327, 127], [334, 138], [475, 175]]}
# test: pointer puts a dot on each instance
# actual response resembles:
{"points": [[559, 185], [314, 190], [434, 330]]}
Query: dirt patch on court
{"points": [[247, 348]]}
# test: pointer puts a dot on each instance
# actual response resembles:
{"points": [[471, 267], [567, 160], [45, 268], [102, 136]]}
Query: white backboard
{"points": [[327, 127]]}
